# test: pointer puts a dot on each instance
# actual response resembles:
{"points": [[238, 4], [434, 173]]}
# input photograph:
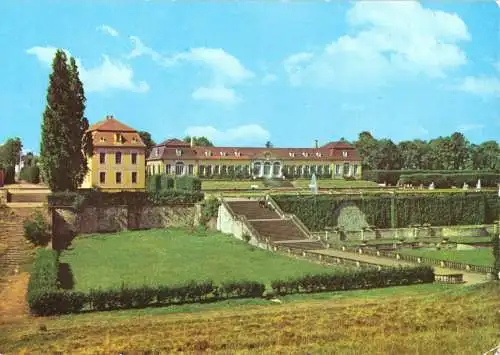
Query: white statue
{"points": [[314, 184], [478, 186], [465, 187], [431, 186]]}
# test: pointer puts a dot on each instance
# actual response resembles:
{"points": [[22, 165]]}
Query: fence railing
{"points": [[421, 260]]}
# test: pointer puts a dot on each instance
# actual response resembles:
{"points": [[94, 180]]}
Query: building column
{"points": [[261, 173]]}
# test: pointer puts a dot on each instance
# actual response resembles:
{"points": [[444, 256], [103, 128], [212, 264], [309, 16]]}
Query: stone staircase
{"points": [[23, 197], [269, 224], [15, 251]]}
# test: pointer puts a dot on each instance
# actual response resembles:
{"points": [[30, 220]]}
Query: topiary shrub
{"points": [[9, 175], [36, 230]]}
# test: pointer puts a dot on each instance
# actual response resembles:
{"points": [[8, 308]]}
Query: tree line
{"points": [[454, 152]]}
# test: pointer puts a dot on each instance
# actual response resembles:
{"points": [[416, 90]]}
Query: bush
{"points": [[43, 279], [30, 174], [209, 210], [153, 183], [370, 278], [188, 183], [242, 289], [54, 302], [166, 182], [36, 230]]}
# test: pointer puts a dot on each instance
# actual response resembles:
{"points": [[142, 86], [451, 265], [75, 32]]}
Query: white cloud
{"points": [[240, 136], [108, 30], [226, 69], [469, 127], [216, 93], [481, 86], [269, 79], [110, 74], [392, 38]]}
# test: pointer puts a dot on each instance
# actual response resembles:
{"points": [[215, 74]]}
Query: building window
{"points": [[326, 170], [337, 169], [344, 154], [134, 177], [276, 168], [306, 170], [217, 169], [102, 177], [346, 169], [178, 152], [179, 168], [267, 169], [355, 170], [134, 158], [256, 168], [208, 170], [201, 171], [319, 170], [102, 158], [223, 170], [118, 178], [118, 157], [168, 168], [190, 169]]}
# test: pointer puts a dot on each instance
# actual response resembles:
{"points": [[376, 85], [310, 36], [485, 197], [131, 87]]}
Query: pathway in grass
{"points": [[479, 256], [174, 256]]}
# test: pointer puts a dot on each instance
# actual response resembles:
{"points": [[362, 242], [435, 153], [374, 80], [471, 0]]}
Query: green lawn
{"points": [[479, 256], [175, 256], [229, 184], [332, 183]]}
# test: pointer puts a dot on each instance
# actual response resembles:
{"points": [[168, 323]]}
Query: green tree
{"points": [[10, 152], [199, 141], [459, 146], [496, 255], [148, 141], [367, 146], [64, 141], [269, 144]]}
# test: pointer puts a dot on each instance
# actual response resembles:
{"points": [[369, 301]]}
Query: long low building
{"points": [[176, 157]]}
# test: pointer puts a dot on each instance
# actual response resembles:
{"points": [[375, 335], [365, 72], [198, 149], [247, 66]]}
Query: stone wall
{"points": [[120, 218]]}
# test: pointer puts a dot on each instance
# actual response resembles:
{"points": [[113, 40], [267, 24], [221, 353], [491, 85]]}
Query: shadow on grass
{"points": [[66, 278]]}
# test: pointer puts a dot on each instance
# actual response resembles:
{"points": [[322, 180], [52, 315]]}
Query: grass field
{"points": [[423, 319], [331, 183], [175, 256], [479, 256]]}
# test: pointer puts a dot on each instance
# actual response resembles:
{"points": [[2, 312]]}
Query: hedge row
{"points": [[448, 180], [398, 211], [162, 183], [369, 278], [30, 174], [392, 177], [46, 298], [96, 198]]}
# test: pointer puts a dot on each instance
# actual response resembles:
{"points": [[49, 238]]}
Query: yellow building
{"points": [[118, 160], [333, 160]]}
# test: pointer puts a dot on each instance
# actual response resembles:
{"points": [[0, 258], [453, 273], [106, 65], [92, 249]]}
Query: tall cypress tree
{"points": [[62, 161]]}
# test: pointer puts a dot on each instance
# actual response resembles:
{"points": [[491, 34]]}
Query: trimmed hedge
{"points": [[30, 174], [188, 183], [386, 211], [447, 180], [36, 230], [153, 183], [96, 198], [392, 177]]}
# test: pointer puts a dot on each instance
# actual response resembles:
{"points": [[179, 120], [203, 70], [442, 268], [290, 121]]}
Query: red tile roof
{"points": [[169, 151], [103, 134]]}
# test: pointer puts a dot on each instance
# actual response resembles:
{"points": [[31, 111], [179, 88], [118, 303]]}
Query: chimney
{"points": [[316, 143], [191, 143], [108, 117]]}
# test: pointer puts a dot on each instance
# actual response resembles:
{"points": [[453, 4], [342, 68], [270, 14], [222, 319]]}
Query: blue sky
{"points": [[243, 73]]}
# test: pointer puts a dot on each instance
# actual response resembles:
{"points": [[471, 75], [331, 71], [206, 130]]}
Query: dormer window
{"points": [[102, 140], [178, 152], [134, 140], [305, 154], [208, 153], [318, 154], [118, 138], [292, 154], [344, 154], [237, 154], [156, 151], [223, 154]]}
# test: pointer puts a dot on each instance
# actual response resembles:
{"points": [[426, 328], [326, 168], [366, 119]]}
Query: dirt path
{"points": [[13, 307], [469, 277]]}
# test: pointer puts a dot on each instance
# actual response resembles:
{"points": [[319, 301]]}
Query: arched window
{"points": [[276, 168], [179, 168], [256, 168], [267, 169]]}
